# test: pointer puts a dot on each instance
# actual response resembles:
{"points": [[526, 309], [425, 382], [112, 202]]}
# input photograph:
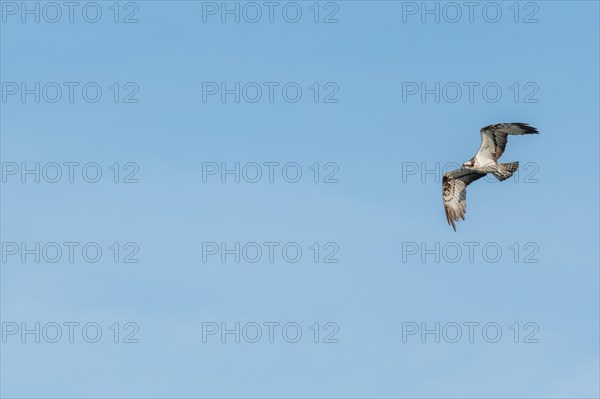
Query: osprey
{"points": [[493, 142]]}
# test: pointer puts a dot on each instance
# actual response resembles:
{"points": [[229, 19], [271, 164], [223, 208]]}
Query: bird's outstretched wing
{"points": [[454, 190], [494, 137]]}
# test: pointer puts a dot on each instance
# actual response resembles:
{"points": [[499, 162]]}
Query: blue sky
{"points": [[372, 135]]}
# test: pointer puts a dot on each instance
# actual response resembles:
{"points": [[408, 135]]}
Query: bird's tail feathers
{"points": [[506, 170]]}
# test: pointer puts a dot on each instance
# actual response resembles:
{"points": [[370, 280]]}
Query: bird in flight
{"points": [[493, 142]]}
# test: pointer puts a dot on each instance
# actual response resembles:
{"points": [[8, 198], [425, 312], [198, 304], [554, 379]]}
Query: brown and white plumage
{"points": [[494, 138], [454, 187], [493, 143]]}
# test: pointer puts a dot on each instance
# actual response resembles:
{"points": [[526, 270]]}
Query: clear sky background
{"points": [[374, 210]]}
